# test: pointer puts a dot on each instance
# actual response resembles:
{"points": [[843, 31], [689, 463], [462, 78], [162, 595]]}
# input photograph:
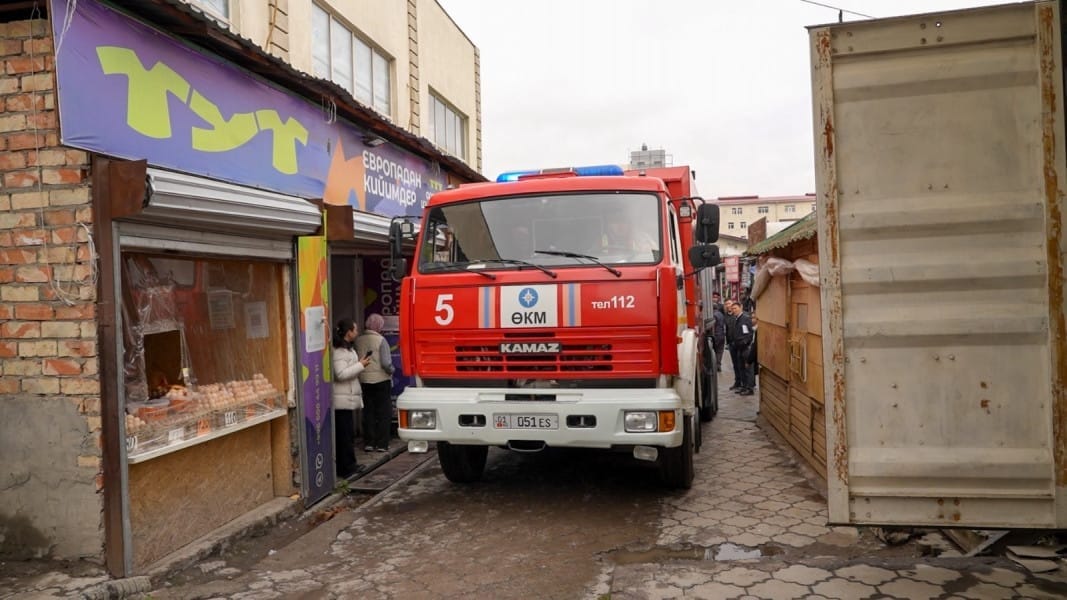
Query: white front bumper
{"points": [[606, 405]]}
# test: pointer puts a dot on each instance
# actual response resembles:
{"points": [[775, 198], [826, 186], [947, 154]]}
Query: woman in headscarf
{"points": [[377, 382], [347, 395]]}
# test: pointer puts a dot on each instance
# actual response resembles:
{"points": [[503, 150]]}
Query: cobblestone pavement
{"points": [[751, 527], [763, 528]]}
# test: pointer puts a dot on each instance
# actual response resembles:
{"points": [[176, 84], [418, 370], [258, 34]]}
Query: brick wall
{"points": [[49, 389]]}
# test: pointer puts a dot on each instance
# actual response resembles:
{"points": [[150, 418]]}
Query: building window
{"points": [[218, 8], [744, 225], [730, 225], [348, 60], [448, 127], [812, 207], [736, 210], [763, 210], [790, 208]]}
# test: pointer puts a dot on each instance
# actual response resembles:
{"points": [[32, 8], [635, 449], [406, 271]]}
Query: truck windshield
{"points": [[614, 228]]}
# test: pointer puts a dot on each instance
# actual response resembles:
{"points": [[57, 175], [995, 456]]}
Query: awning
{"points": [[188, 201]]}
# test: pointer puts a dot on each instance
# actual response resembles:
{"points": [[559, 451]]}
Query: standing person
{"points": [[716, 300], [347, 396], [752, 353], [718, 335], [742, 339], [733, 344], [748, 304], [377, 382]]}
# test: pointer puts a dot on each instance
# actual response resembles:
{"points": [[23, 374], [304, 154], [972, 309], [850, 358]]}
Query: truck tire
{"points": [[709, 396], [676, 464], [462, 464]]}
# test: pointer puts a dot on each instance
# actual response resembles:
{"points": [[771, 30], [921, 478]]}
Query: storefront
{"points": [[214, 193], [205, 366]]}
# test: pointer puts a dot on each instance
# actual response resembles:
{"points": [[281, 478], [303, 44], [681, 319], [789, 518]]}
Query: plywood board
{"points": [[773, 350], [771, 306], [179, 497]]}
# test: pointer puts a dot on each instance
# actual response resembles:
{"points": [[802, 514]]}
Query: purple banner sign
{"points": [[382, 295], [128, 90], [315, 387]]}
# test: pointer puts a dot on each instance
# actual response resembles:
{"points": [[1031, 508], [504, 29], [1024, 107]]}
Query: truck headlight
{"points": [[641, 421], [418, 419]]}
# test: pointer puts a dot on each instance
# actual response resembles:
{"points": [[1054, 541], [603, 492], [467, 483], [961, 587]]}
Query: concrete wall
{"points": [[50, 499], [448, 65]]}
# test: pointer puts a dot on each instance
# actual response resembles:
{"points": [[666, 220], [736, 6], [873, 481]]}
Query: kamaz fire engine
{"points": [[558, 309]]}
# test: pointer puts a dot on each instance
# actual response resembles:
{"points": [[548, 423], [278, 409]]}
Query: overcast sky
{"points": [[722, 86]]}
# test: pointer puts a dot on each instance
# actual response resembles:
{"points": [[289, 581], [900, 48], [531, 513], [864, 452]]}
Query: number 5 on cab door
{"points": [[443, 312]]}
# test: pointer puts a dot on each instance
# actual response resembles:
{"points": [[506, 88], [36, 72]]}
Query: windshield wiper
{"points": [[596, 260], [457, 267], [515, 261]]}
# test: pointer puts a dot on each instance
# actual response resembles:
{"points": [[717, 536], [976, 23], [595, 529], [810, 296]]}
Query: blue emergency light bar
{"points": [[589, 171]]}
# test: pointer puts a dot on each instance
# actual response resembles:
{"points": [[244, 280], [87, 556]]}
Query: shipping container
{"points": [[940, 175]]}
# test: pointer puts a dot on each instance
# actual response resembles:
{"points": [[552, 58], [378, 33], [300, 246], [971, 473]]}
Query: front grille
{"points": [[583, 353], [570, 359]]}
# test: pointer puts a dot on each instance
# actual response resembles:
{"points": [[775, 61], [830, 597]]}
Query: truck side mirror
{"points": [[707, 224], [704, 255], [398, 230]]}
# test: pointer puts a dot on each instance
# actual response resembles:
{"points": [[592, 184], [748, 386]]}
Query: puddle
{"points": [[734, 552], [722, 552]]}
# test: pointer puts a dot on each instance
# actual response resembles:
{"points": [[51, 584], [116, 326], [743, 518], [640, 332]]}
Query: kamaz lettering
{"points": [[530, 348]]}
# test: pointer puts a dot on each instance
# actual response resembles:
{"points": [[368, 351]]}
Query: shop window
{"points": [[350, 61], [449, 127], [205, 348]]}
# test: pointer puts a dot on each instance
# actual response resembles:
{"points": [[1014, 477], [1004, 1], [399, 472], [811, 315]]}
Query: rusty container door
{"points": [[940, 177]]}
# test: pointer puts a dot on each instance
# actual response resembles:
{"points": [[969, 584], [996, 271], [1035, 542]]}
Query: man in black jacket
{"points": [[740, 336]]}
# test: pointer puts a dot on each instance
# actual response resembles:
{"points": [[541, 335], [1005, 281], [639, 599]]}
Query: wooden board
{"points": [[773, 350], [178, 497], [771, 306]]}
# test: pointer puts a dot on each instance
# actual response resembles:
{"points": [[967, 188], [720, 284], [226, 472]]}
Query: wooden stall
{"points": [[788, 311]]}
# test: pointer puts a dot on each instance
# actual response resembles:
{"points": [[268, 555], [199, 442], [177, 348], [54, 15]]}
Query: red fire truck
{"points": [[559, 309]]}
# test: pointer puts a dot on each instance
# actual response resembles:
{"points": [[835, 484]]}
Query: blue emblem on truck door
{"points": [[528, 298], [529, 306]]}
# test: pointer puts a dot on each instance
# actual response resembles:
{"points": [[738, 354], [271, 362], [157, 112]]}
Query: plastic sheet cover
{"points": [[204, 346]]}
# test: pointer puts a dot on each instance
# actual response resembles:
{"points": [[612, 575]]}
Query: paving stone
{"points": [[778, 590], [739, 521], [1000, 577], [987, 591], [911, 589], [1032, 592], [794, 540], [844, 589], [714, 591], [866, 574], [743, 576], [749, 539], [656, 590], [809, 530], [801, 574], [935, 575]]}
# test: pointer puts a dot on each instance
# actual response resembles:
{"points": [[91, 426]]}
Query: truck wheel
{"points": [[709, 396], [676, 464], [462, 464]]}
